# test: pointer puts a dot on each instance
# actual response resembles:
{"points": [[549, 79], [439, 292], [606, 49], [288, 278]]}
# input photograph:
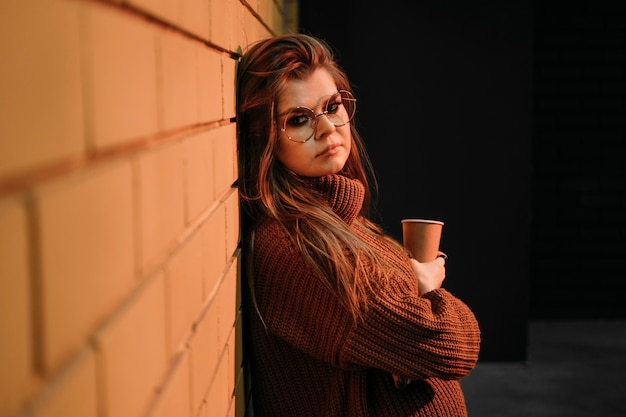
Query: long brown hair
{"points": [[267, 188]]}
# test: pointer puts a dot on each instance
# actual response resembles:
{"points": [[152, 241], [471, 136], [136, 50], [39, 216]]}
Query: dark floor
{"points": [[574, 369]]}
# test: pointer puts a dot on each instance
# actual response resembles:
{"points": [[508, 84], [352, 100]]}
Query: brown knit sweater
{"points": [[313, 360]]}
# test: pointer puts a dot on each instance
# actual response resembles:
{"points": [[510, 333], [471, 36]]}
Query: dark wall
{"points": [[507, 120], [444, 105], [579, 157]]}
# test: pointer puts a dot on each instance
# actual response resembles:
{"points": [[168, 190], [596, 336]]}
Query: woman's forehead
{"points": [[310, 91]]}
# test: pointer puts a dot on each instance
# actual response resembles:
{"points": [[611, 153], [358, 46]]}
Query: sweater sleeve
{"points": [[435, 335]]}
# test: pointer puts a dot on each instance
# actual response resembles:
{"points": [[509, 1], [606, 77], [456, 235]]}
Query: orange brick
{"points": [[16, 356], [175, 397], [226, 305], [41, 113], [270, 12], [204, 356], [199, 186], [231, 365], [184, 276], [166, 10], [194, 16], [87, 255], [224, 151], [220, 397], [232, 221], [178, 80], [250, 28], [240, 12], [133, 351], [161, 200], [121, 52], [228, 87], [210, 90], [214, 249], [74, 393], [222, 22]]}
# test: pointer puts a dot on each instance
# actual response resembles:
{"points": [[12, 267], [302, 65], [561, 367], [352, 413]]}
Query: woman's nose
{"points": [[323, 126]]}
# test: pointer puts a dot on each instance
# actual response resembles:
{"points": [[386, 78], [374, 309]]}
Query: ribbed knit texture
{"points": [[314, 361]]}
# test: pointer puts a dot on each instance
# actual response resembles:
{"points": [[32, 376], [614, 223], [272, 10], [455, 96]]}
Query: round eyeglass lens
{"points": [[300, 122]]}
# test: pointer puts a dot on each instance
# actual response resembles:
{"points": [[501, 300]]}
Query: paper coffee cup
{"points": [[422, 237]]}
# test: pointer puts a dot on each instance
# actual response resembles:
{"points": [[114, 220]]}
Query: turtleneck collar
{"points": [[344, 195]]}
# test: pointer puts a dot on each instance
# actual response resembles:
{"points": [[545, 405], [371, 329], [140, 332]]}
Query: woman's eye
{"points": [[333, 107], [297, 120]]}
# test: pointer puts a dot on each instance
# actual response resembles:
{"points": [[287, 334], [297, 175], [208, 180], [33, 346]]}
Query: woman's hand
{"points": [[430, 275]]}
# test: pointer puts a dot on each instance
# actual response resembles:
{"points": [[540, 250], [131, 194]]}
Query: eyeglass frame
{"points": [[317, 115]]}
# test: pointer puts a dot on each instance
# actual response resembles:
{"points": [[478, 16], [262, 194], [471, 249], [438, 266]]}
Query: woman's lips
{"points": [[330, 150]]}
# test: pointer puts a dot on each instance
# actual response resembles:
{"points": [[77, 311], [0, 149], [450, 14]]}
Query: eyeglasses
{"points": [[300, 122]]}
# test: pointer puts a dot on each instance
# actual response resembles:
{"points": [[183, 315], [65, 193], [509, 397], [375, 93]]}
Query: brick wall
{"points": [[579, 160], [118, 217]]}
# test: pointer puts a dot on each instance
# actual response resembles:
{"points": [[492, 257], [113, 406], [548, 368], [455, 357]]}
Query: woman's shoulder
{"points": [[274, 248], [272, 233], [269, 225]]}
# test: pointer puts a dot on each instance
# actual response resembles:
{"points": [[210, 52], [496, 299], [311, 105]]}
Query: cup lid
{"points": [[422, 221]]}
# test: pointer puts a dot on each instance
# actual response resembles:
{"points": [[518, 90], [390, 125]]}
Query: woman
{"points": [[336, 308]]}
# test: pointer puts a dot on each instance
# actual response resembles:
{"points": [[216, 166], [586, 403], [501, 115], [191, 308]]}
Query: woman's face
{"points": [[327, 151]]}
